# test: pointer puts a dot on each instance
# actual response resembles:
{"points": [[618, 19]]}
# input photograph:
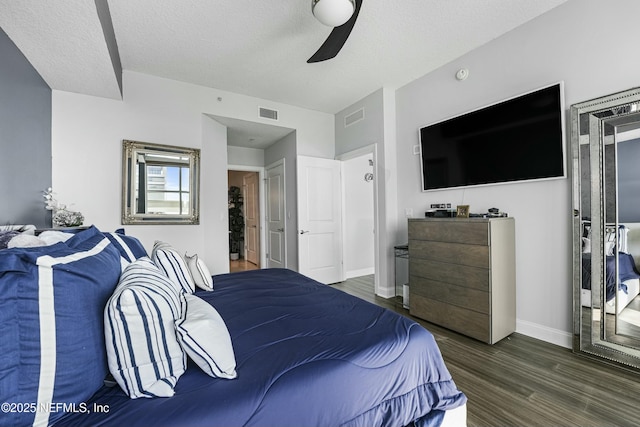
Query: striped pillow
{"points": [[51, 322], [143, 352], [199, 272], [171, 263], [205, 337]]}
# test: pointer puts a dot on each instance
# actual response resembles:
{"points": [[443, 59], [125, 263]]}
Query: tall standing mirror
{"points": [[605, 135], [160, 184]]}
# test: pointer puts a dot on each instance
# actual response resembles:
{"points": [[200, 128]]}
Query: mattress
{"points": [[307, 355]]}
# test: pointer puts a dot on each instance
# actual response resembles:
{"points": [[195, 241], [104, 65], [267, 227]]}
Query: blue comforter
{"points": [[626, 271], [307, 355]]}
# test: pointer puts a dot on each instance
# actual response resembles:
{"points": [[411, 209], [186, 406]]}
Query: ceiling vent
{"points": [[354, 117], [266, 113]]}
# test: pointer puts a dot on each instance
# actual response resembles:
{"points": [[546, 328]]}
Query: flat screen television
{"points": [[519, 139]]}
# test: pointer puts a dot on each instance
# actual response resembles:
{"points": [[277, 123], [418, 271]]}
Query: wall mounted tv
{"points": [[519, 139]]}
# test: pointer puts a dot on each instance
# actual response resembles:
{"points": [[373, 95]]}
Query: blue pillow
{"points": [[129, 247], [52, 300]]}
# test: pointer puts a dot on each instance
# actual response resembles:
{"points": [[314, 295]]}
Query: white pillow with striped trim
{"points": [[205, 337], [199, 272], [143, 352], [171, 263]]}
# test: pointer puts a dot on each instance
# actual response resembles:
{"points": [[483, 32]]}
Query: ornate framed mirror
{"points": [[605, 137], [160, 184]]}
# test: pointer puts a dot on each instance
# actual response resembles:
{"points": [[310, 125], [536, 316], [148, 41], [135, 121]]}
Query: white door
{"points": [[319, 219], [251, 217], [276, 224]]}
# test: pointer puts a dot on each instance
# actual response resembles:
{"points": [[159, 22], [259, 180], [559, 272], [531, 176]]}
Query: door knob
{"points": [[304, 231], [280, 230]]}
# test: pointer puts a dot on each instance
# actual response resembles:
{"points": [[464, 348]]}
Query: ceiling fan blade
{"points": [[336, 39]]}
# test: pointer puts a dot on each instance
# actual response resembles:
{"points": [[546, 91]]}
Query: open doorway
{"points": [[244, 220], [359, 217]]}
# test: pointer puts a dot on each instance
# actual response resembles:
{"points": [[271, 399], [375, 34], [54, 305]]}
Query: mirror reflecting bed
{"points": [[605, 135], [160, 184]]}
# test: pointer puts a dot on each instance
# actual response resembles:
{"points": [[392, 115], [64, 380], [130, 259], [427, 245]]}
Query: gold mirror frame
{"points": [[136, 156]]}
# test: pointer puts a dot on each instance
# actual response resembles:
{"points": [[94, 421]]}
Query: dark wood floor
{"points": [[521, 381]]}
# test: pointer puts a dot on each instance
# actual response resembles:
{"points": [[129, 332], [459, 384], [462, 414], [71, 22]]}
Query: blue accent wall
{"points": [[25, 139]]}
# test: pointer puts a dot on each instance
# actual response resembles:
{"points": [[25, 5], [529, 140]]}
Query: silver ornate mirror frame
{"points": [[595, 125], [160, 184]]}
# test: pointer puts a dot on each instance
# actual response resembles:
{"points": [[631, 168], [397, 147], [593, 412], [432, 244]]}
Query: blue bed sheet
{"points": [[307, 355]]}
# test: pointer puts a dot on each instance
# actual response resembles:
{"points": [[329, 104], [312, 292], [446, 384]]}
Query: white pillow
{"points": [[51, 237], [199, 272], [205, 337], [171, 263], [143, 352], [25, 241]]}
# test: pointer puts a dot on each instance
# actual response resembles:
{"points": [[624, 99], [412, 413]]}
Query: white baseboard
{"points": [[386, 293], [544, 333], [358, 273]]}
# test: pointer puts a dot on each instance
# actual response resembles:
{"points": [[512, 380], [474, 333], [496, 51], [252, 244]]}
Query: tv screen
{"points": [[519, 139]]}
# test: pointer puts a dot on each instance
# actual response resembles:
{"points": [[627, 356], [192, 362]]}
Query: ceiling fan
{"points": [[340, 14]]}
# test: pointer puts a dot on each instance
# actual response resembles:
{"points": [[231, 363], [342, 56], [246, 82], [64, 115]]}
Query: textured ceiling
{"points": [[255, 48]]}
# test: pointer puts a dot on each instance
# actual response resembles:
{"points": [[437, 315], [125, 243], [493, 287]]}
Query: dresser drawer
{"points": [[468, 322], [471, 299], [460, 275], [471, 233], [454, 253]]}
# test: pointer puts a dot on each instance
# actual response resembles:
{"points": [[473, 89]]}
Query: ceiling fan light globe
{"points": [[332, 13]]}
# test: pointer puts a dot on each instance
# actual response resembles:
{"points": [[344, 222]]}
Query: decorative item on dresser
{"points": [[462, 275]]}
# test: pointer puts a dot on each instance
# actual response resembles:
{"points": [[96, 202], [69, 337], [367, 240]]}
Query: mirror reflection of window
{"points": [[167, 189]]}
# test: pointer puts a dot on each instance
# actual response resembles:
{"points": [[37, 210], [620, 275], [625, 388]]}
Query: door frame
{"points": [[377, 254], [279, 162], [261, 177]]}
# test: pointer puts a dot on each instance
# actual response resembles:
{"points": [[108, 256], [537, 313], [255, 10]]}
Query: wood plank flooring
{"points": [[241, 265], [521, 381]]}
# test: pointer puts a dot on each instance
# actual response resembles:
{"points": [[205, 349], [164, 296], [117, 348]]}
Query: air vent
{"points": [[354, 117], [266, 113]]}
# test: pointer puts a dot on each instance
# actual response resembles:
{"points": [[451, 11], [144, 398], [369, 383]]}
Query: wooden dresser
{"points": [[462, 275]]}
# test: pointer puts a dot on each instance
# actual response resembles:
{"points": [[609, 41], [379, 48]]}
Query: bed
{"points": [[628, 283], [628, 280], [305, 355]]}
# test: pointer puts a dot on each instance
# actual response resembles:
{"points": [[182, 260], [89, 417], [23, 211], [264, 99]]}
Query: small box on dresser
{"points": [[462, 275]]}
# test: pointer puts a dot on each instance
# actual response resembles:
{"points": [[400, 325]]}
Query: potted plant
{"points": [[236, 222]]}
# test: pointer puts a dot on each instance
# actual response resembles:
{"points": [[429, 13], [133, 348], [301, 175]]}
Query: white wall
{"points": [[245, 156], [377, 129], [586, 44], [358, 213], [87, 134]]}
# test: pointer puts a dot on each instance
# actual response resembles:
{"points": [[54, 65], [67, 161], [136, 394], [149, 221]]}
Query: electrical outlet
{"points": [[408, 212]]}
